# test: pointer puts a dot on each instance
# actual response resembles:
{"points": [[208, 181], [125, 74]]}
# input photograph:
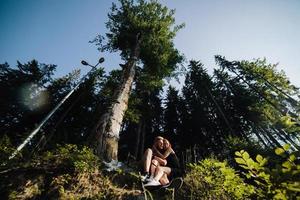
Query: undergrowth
{"points": [[68, 172]]}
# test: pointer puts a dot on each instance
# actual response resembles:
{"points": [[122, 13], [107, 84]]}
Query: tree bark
{"points": [[108, 127]]}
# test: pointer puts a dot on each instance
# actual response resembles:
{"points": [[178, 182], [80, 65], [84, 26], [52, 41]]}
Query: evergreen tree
{"points": [[171, 116], [142, 31], [274, 110], [23, 97]]}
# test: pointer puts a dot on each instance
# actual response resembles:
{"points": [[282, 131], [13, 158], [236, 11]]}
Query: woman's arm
{"points": [[156, 152], [164, 155], [161, 161], [167, 153]]}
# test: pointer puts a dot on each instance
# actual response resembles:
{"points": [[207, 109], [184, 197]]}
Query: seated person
{"points": [[150, 154], [164, 166]]}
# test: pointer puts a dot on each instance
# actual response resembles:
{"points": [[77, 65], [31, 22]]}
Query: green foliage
{"points": [[133, 114], [23, 97], [29, 92], [155, 24], [68, 172], [6, 148], [252, 146], [213, 179], [264, 100], [273, 180], [81, 159]]}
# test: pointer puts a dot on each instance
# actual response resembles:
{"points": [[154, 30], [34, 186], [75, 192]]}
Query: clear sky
{"points": [[58, 32]]}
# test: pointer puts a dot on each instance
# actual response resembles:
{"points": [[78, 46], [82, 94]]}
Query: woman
{"points": [[151, 158], [163, 172]]}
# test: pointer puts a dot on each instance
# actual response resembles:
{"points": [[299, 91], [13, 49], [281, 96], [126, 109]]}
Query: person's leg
{"points": [[164, 179], [147, 160], [154, 164], [160, 171]]}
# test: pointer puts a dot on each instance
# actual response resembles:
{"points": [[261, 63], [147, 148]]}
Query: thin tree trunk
{"points": [[192, 153], [271, 137], [138, 140], [273, 146], [285, 135], [108, 127], [183, 161], [260, 139], [262, 95]]}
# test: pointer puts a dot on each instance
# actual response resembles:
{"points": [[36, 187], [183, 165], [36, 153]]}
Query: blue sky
{"points": [[58, 31]]}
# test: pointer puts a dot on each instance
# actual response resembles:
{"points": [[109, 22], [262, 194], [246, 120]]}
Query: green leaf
{"points": [[287, 164], [292, 157], [244, 166], [237, 153], [279, 151], [286, 147], [240, 161], [246, 155], [263, 162], [259, 158]]}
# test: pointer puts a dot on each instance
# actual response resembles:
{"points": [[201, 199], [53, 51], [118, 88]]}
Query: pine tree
{"points": [[143, 32]]}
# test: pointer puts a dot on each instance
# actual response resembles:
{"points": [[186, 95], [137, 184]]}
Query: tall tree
{"points": [[143, 32], [23, 97], [272, 94], [171, 116]]}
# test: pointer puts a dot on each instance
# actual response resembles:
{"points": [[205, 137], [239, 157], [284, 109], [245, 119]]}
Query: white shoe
{"points": [[152, 183], [151, 178], [145, 177]]}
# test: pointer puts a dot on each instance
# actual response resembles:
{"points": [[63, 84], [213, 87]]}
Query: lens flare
{"points": [[33, 97]]}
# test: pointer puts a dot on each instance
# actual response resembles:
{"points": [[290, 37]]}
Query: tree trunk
{"points": [[271, 137], [138, 139], [260, 139], [143, 136], [288, 139], [108, 127]]}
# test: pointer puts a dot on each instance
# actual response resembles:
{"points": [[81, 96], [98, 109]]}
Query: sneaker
{"points": [[152, 183], [145, 177], [148, 179]]}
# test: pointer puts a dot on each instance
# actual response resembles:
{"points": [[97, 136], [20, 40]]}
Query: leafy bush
{"points": [[213, 179], [6, 149], [234, 144], [82, 159], [68, 172], [273, 180]]}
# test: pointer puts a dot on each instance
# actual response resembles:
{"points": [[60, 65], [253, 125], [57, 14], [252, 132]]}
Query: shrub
{"points": [[213, 179], [279, 180], [67, 172], [81, 159], [6, 149]]}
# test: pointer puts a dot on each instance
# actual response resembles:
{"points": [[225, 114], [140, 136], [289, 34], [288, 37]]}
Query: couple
{"points": [[160, 163]]}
